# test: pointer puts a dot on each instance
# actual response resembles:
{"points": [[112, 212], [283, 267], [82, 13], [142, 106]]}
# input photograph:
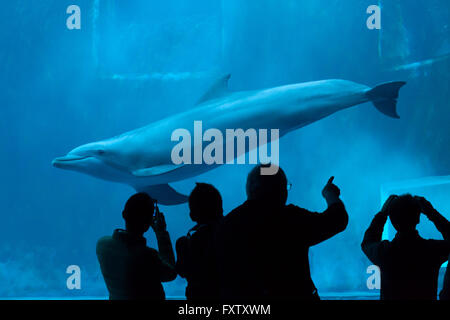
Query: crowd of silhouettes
{"points": [[260, 249]]}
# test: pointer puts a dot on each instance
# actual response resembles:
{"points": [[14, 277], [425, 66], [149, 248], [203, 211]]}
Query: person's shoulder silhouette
{"points": [[195, 251], [132, 270]]}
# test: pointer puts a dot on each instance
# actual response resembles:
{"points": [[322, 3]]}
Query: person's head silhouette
{"points": [[404, 213], [271, 189], [138, 213], [205, 204]]}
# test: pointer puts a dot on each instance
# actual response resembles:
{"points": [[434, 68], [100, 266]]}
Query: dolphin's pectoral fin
{"points": [[154, 171], [164, 194], [218, 89]]}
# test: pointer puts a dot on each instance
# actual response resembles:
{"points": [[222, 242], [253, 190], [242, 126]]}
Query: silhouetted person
{"points": [[409, 264], [195, 255], [262, 245], [131, 269], [445, 293]]}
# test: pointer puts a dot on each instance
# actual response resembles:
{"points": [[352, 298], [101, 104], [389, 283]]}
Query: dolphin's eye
{"points": [[100, 152]]}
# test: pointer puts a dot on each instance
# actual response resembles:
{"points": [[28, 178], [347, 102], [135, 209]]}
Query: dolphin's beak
{"points": [[66, 161]]}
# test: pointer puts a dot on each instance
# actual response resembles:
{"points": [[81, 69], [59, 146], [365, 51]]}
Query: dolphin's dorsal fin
{"points": [[156, 170], [218, 89]]}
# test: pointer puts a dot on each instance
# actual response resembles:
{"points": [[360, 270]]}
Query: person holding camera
{"points": [[132, 270], [409, 264]]}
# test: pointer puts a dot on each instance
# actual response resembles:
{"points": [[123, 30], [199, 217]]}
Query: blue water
{"points": [[134, 62]]}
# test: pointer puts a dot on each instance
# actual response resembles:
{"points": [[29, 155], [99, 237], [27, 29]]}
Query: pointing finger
{"points": [[330, 181], [336, 189]]}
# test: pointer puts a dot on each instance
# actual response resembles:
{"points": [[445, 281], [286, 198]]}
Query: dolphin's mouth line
{"points": [[69, 159]]}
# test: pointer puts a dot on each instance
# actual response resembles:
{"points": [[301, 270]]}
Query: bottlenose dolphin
{"points": [[142, 158]]}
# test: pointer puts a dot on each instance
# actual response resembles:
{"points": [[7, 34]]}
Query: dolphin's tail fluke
{"points": [[164, 194], [384, 97]]}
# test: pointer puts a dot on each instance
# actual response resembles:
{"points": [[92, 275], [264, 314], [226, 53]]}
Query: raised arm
{"points": [[322, 226], [181, 247], [372, 244], [167, 268], [372, 237], [441, 223]]}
